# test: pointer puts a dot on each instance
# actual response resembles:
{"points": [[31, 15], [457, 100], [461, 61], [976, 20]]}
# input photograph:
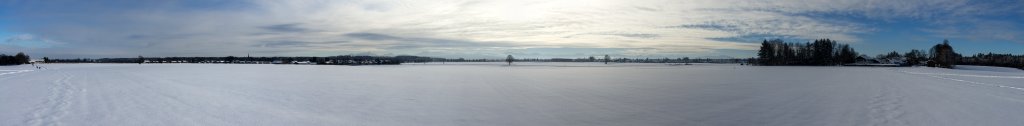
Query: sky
{"points": [[496, 28]]}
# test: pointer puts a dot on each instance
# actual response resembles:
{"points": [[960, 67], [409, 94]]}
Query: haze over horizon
{"points": [[493, 29]]}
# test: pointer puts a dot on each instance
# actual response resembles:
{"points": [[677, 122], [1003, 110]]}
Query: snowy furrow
{"points": [[55, 107]]}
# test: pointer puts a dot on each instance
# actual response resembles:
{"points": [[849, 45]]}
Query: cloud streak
{"points": [[292, 27]]}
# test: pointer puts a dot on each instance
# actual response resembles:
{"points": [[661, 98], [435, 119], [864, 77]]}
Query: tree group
{"points": [[16, 59], [821, 52], [828, 52], [943, 55]]}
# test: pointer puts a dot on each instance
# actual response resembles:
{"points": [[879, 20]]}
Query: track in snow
{"points": [[885, 108], [940, 76], [965, 75], [50, 112]]}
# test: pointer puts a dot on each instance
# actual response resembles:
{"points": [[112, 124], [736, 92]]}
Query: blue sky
{"points": [[495, 28]]}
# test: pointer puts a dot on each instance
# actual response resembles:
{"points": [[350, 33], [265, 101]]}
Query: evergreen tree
{"points": [[819, 52], [915, 57], [229, 59], [846, 54], [823, 52], [766, 53], [789, 53], [8, 60], [21, 58], [141, 59]]}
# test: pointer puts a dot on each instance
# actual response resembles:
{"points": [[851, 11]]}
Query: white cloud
{"points": [[20, 37], [23, 42]]}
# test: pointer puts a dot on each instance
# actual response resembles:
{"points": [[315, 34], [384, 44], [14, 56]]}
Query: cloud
{"points": [[291, 27], [627, 35], [299, 44], [980, 30], [481, 28], [708, 26], [638, 35], [20, 37], [373, 36], [27, 41], [417, 43]]}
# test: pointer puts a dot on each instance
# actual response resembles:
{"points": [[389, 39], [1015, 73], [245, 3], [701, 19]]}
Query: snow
{"points": [[494, 94], [988, 68]]}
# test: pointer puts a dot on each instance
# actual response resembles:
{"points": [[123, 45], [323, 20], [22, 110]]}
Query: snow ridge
{"points": [[12, 71], [50, 112]]}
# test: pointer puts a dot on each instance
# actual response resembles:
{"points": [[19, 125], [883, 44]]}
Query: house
{"points": [[302, 62], [894, 60], [868, 61]]}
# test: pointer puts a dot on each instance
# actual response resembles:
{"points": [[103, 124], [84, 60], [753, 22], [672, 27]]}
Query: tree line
{"points": [[990, 59], [821, 52], [16, 59], [378, 60], [330, 60], [828, 52]]}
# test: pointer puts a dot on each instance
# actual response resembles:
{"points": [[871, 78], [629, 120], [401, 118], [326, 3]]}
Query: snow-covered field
{"points": [[493, 94]]}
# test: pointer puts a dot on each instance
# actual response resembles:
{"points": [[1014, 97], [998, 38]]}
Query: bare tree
{"points": [[942, 55], [606, 59], [509, 60]]}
